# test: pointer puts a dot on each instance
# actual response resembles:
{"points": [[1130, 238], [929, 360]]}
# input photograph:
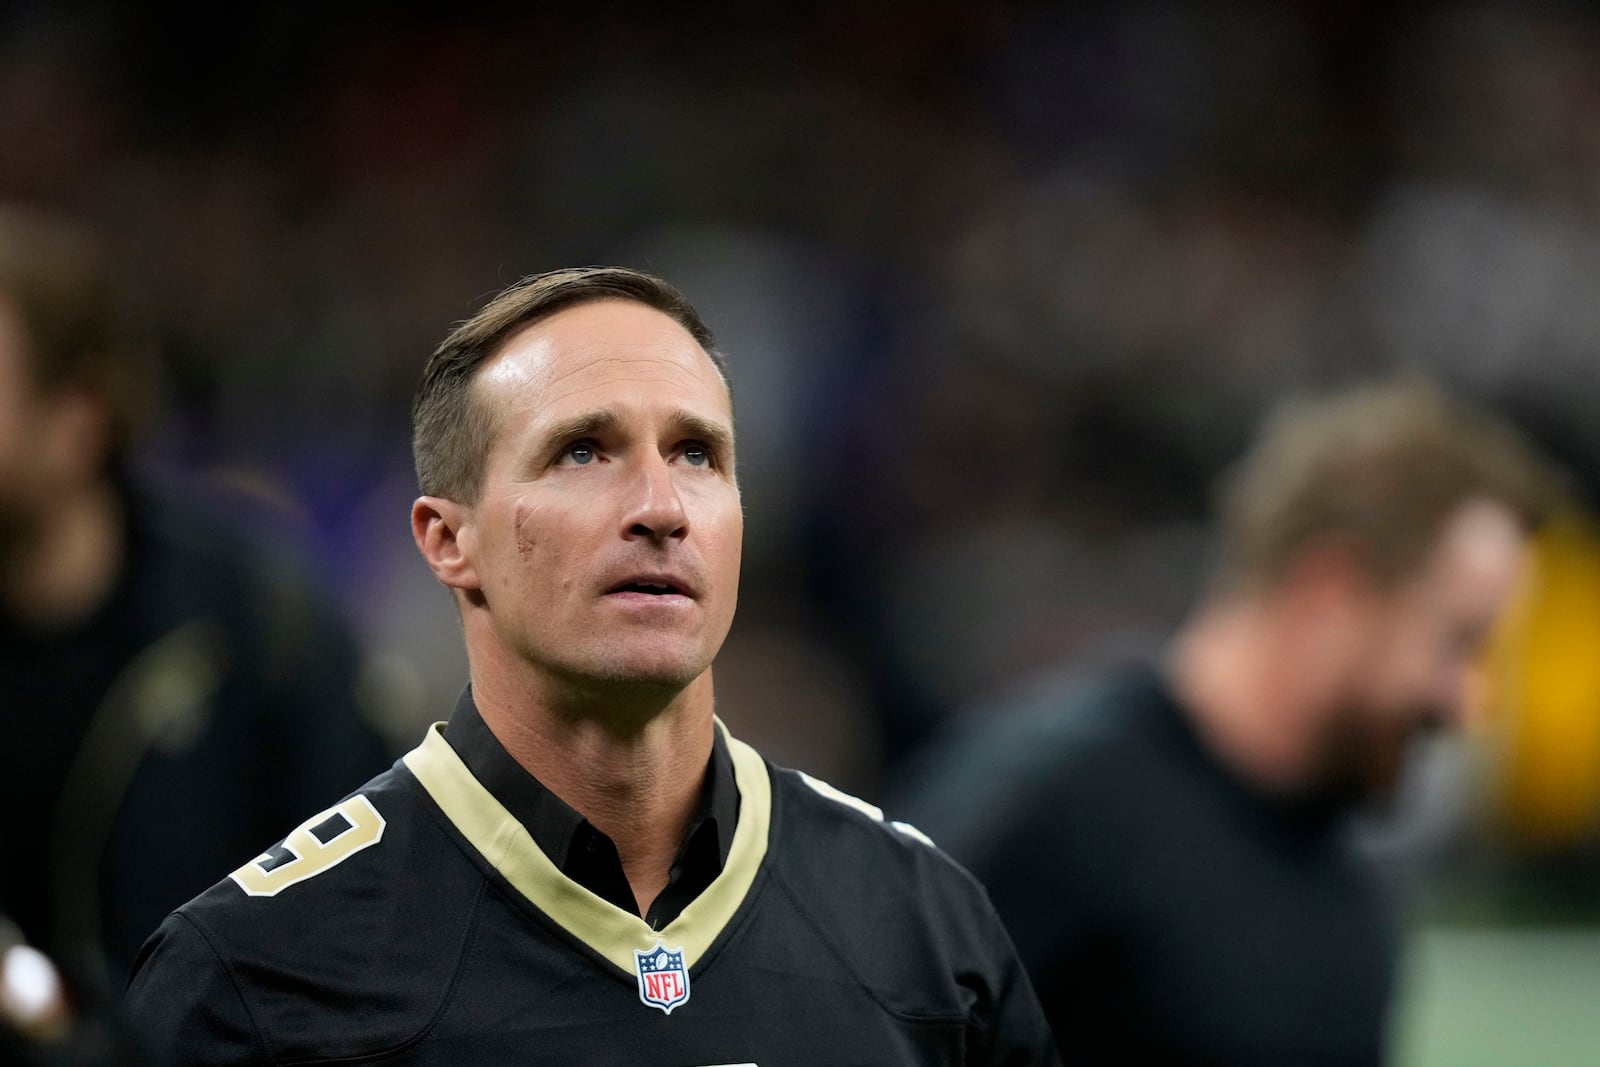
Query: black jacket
{"points": [[208, 702]]}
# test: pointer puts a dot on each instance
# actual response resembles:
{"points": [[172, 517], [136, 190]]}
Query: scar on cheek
{"points": [[523, 520]]}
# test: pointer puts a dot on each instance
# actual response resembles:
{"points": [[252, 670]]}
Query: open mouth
{"points": [[650, 588]]}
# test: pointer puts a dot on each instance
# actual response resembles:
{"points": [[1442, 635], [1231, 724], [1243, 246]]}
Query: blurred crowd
{"points": [[1003, 287]]}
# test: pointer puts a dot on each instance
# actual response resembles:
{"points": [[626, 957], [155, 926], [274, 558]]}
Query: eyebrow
{"points": [[603, 420], [583, 424], [715, 434]]}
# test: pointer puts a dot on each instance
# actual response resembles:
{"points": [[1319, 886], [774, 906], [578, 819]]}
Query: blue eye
{"points": [[697, 456], [581, 453]]}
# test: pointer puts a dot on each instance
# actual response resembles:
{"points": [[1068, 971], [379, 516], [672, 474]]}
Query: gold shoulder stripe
{"points": [[871, 811], [604, 927], [834, 793]]}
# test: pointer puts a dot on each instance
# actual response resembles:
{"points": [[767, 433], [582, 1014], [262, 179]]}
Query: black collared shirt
{"points": [[572, 843]]}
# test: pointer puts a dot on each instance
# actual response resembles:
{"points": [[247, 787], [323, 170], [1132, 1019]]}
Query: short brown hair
{"points": [[58, 282], [450, 432], [1384, 465]]}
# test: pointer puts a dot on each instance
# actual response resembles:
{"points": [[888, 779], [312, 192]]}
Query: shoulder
{"points": [[345, 909], [1056, 801], [826, 829], [1061, 737], [903, 913], [207, 548], [909, 923], [226, 532], [234, 593], [328, 873], [823, 818]]}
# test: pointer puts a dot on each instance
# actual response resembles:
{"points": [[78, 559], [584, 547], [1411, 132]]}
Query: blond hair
{"points": [[1383, 466]]}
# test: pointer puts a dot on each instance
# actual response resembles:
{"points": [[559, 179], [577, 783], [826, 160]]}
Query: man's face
{"points": [[606, 541], [1423, 640]]}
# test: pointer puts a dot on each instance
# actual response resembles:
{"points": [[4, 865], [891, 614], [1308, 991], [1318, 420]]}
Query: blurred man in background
{"points": [[1169, 846], [171, 690]]}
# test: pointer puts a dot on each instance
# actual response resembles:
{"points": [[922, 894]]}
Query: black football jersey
{"points": [[417, 922]]}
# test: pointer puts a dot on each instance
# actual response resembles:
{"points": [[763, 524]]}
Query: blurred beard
{"points": [[1367, 753]]}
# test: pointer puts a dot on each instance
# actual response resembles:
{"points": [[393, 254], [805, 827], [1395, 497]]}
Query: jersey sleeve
{"points": [[185, 1003], [1010, 1028]]}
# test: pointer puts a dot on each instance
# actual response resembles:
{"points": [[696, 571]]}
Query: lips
{"points": [[653, 584]]}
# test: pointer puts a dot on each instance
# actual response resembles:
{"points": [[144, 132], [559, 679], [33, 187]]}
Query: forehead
{"points": [[1478, 555], [602, 354], [1480, 535]]}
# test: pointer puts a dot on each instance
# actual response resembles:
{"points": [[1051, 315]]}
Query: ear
{"points": [[1332, 571], [443, 533]]}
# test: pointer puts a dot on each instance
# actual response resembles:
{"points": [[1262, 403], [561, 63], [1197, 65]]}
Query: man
{"points": [[582, 866], [1168, 845], [171, 690]]}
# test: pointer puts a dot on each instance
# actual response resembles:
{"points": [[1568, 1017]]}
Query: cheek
{"points": [[1395, 665], [1420, 671], [727, 537], [554, 544], [541, 529], [524, 530], [715, 511]]}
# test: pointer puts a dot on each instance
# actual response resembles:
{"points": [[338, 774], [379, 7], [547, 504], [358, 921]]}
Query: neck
{"points": [[630, 761], [58, 567], [1252, 697]]}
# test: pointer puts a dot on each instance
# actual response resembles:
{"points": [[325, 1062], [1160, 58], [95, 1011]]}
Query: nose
{"points": [[656, 512]]}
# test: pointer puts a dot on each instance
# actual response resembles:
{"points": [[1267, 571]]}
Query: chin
{"points": [[652, 669], [1384, 769], [1365, 763]]}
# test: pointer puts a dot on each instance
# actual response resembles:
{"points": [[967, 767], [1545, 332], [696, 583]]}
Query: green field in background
{"points": [[1499, 997]]}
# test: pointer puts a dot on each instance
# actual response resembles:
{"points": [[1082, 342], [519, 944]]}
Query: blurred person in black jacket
{"points": [[173, 691], [1169, 846]]}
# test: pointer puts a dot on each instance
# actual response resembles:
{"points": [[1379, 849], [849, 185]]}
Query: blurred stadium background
{"points": [[1004, 287]]}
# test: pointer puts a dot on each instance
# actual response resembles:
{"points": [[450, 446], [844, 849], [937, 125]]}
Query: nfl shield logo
{"points": [[663, 979]]}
